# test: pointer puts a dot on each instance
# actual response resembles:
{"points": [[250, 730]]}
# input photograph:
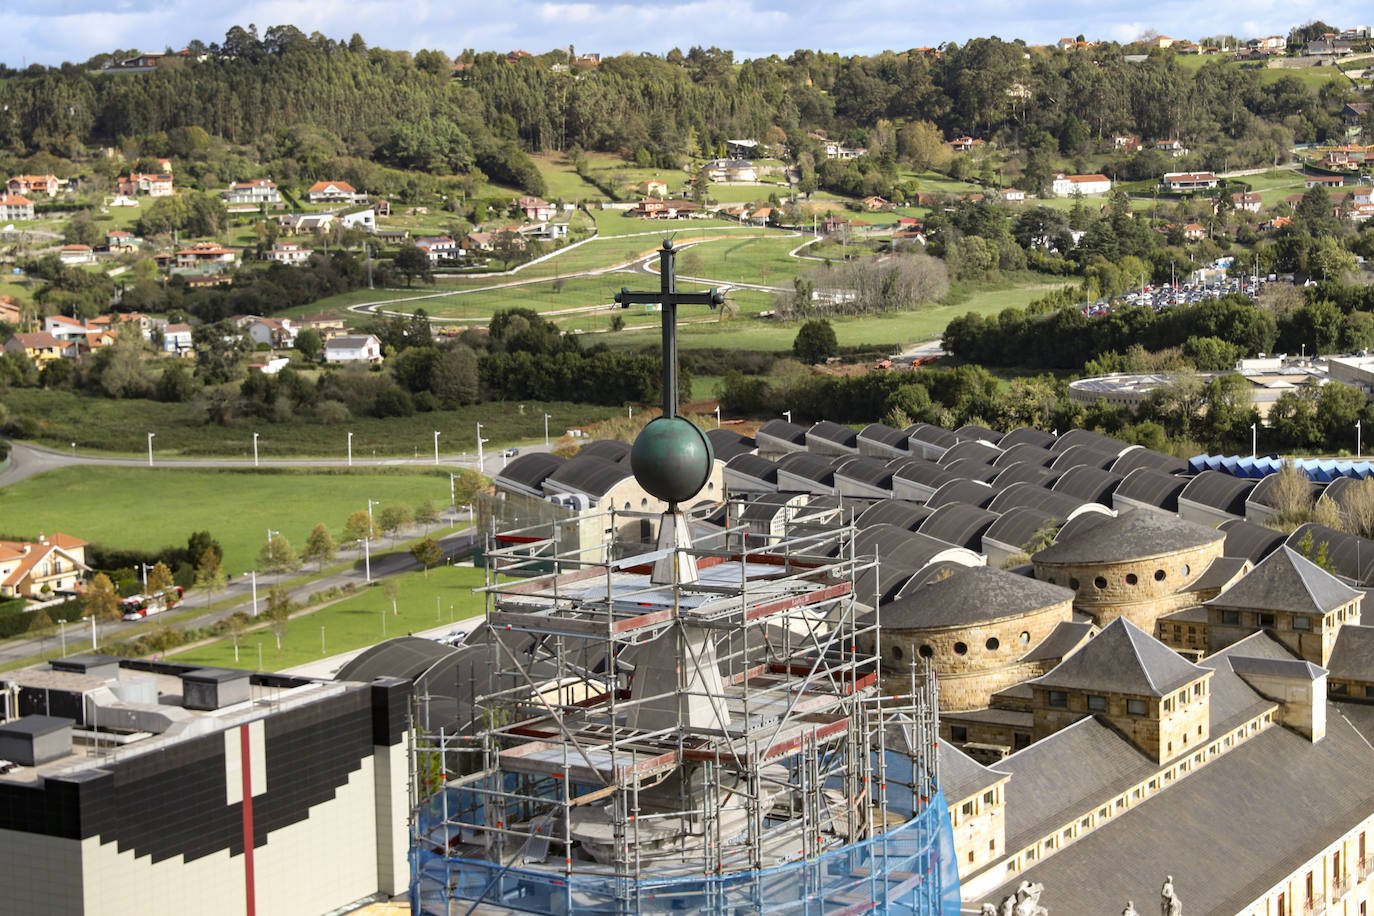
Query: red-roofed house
{"points": [[1127, 142], [1189, 181], [176, 338], [1323, 181], [1065, 185], [284, 253], [76, 254], [1249, 201], [39, 347], [204, 253], [535, 209], [322, 192], [876, 203], [275, 332], [1194, 233], [257, 192], [38, 569], [140, 183], [15, 206], [964, 144], [1013, 195], [34, 185]]}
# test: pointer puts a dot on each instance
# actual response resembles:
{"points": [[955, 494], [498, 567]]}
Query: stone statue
{"points": [[1130, 909], [1028, 900], [1008, 906], [988, 910], [1169, 904]]}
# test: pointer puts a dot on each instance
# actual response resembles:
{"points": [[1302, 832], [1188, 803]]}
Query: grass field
{"points": [[121, 427], [152, 508], [353, 623], [561, 181]]}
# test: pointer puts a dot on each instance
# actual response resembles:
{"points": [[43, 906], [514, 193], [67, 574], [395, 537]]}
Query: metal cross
{"points": [[670, 299]]}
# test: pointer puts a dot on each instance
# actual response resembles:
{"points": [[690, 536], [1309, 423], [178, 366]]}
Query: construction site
{"points": [[691, 728]]}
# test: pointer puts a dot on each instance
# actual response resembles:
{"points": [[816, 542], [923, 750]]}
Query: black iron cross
{"points": [[670, 299]]}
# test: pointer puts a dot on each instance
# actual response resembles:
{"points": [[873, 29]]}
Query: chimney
{"points": [[1299, 687]]}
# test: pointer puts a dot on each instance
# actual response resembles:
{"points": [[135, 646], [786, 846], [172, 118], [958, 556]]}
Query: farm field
{"points": [[355, 622], [148, 509], [121, 427]]}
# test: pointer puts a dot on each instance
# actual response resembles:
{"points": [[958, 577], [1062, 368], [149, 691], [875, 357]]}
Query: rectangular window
{"points": [[1338, 689], [1059, 699], [1230, 617], [988, 798], [967, 809], [1135, 707], [1263, 619], [958, 733], [1197, 689], [1302, 623], [1020, 740], [1097, 704]]}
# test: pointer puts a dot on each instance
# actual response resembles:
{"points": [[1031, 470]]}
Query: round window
{"points": [[1050, 580], [993, 645], [1073, 584], [1185, 569], [1100, 582], [960, 649], [1024, 638], [1131, 579], [1159, 575], [925, 651], [897, 652]]}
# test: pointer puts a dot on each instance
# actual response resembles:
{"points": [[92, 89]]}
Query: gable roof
{"points": [[1123, 659], [1287, 581], [1352, 658]]}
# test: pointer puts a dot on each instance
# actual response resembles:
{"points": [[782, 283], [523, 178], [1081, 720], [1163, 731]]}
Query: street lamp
{"points": [[787, 414], [150, 448], [270, 532], [546, 430], [480, 460], [1357, 438], [367, 538], [254, 580], [717, 416], [1254, 434], [436, 446], [350, 450], [255, 449]]}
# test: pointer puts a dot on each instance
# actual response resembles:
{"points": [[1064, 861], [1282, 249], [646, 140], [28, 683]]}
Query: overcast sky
{"points": [[53, 31]]}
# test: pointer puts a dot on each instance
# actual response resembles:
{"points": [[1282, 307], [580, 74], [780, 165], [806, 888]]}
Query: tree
{"points": [[427, 553], [209, 574], [412, 263], [42, 626], [100, 600], [278, 612], [392, 519], [815, 342], [198, 543], [277, 555], [358, 527], [308, 343], [235, 624], [392, 589], [160, 583], [507, 246], [319, 546], [427, 513]]}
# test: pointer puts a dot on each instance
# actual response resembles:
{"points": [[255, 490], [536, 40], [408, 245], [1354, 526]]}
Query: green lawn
{"points": [[361, 620], [561, 181], [152, 508], [121, 427]]}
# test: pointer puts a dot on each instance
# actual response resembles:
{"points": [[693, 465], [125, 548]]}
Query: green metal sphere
{"points": [[672, 459]]}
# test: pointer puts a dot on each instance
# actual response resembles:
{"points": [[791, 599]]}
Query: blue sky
{"points": [[52, 31]]}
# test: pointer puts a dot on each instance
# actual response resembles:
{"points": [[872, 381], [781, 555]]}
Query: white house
{"points": [[275, 332], [1066, 185], [256, 192], [360, 219], [536, 209], [15, 206], [65, 329], [732, 170], [176, 338], [438, 247], [353, 349], [204, 254], [76, 254], [331, 192], [1013, 195], [284, 253], [1189, 181]]}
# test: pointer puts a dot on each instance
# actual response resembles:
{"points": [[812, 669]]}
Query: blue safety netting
{"points": [[1322, 470], [911, 870]]}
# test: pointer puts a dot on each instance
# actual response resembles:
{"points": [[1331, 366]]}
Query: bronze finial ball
{"points": [[672, 459]]}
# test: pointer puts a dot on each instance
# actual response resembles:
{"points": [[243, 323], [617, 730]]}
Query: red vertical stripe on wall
{"points": [[250, 905]]}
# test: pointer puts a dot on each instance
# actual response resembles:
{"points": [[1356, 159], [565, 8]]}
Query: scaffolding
{"points": [[717, 744]]}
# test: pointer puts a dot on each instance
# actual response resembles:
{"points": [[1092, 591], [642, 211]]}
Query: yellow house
{"points": [[39, 347], [54, 562]]}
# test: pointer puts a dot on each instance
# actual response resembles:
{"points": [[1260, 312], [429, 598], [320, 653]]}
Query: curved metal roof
{"points": [[900, 555], [1148, 458], [589, 474], [1057, 505], [1026, 472], [962, 490], [805, 464], [754, 466], [959, 524], [527, 472], [781, 429], [1020, 525], [932, 572], [898, 512], [1340, 488], [766, 506], [885, 435], [973, 469], [973, 431], [1151, 487], [726, 443], [1027, 435], [1219, 491], [930, 434], [404, 657], [924, 473], [834, 432], [1083, 456], [609, 449], [866, 470], [1088, 484], [1088, 437], [1083, 521], [1347, 554], [971, 448], [1266, 492], [1025, 452]]}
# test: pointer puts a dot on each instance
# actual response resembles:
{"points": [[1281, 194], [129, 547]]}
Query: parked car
{"points": [[511, 452]]}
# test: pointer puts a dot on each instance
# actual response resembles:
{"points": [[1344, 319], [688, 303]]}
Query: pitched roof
{"points": [[341, 186], [1136, 534], [963, 777], [974, 594], [1352, 658], [1067, 637], [1123, 659], [1287, 581]]}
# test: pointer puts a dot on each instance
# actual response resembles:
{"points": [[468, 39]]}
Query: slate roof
{"points": [[886, 435], [1352, 658], [973, 469], [925, 473], [864, 469], [1059, 778], [963, 777], [931, 435], [1059, 505], [1212, 831], [809, 466], [836, 433], [1277, 667], [1079, 524], [610, 449], [1248, 540], [754, 466], [1286, 581], [1066, 638], [1148, 458], [1152, 487], [1026, 435], [1219, 491], [974, 594], [970, 448], [781, 429], [1136, 534], [1026, 472], [900, 554], [1123, 659], [1218, 574]]}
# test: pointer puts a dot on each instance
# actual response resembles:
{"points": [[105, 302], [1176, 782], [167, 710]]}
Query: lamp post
{"points": [[717, 416], [1357, 438], [367, 541], [270, 532], [144, 568], [1254, 438], [254, 581], [150, 448], [436, 446], [255, 449], [481, 466], [546, 430], [787, 415], [350, 450]]}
